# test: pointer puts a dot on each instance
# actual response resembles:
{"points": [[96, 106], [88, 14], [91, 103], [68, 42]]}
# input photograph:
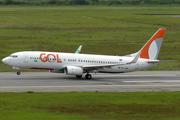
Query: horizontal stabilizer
{"points": [[160, 61]]}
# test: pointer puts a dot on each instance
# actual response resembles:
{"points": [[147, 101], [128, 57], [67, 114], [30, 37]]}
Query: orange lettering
{"points": [[42, 58], [52, 55], [58, 59], [46, 58]]}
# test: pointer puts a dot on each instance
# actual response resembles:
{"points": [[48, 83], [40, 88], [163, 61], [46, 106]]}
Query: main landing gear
{"points": [[88, 76]]}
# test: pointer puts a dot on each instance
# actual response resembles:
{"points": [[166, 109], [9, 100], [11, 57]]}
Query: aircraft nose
{"points": [[5, 60]]}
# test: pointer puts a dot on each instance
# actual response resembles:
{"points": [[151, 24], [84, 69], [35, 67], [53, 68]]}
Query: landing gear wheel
{"points": [[18, 73], [79, 76], [88, 76]]}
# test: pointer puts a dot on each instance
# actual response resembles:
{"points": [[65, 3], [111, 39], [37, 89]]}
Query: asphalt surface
{"points": [[55, 82]]}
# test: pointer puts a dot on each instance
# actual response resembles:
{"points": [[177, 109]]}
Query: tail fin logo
{"points": [[151, 49]]}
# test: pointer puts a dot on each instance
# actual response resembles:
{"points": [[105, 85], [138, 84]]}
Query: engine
{"points": [[73, 70]]}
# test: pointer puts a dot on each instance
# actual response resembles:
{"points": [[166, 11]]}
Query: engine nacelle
{"points": [[73, 70]]}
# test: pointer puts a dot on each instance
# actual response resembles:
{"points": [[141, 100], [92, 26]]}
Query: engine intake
{"points": [[73, 70]]}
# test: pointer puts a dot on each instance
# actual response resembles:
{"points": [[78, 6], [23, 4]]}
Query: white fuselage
{"points": [[56, 61]]}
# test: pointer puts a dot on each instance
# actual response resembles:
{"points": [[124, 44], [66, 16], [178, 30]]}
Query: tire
{"points": [[18, 73], [88, 76]]}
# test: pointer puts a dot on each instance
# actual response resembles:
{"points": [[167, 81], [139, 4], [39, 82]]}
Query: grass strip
{"points": [[90, 105]]}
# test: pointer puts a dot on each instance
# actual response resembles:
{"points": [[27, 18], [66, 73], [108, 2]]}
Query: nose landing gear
{"points": [[18, 73]]}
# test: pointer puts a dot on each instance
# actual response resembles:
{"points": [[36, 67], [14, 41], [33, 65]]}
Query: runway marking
{"points": [[89, 86], [139, 75], [152, 81]]}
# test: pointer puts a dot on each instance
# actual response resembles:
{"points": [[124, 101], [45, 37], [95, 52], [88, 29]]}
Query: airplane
{"points": [[79, 64]]}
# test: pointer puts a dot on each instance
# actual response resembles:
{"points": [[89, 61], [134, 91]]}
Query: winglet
{"points": [[78, 50], [151, 49], [135, 58]]}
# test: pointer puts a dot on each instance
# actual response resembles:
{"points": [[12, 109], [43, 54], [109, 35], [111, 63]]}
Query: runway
{"points": [[126, 82]]}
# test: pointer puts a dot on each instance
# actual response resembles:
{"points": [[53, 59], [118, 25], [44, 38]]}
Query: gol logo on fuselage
{"points": [[46, 57]]}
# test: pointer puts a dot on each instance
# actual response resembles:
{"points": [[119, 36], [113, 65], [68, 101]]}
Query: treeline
{"points": [[87, 2]]}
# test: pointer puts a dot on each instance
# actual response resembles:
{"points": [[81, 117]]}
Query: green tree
{"points": [[77, 2], [8, 2], [89, 2]]}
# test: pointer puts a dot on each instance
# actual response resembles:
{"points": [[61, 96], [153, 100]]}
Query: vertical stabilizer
{"points": [[151, 49]]}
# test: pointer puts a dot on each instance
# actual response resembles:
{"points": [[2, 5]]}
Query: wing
{"points": [[135, 59], [98, 66]]}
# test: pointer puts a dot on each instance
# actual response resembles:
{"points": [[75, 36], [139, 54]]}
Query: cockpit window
{"points": [[13, 56]]}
